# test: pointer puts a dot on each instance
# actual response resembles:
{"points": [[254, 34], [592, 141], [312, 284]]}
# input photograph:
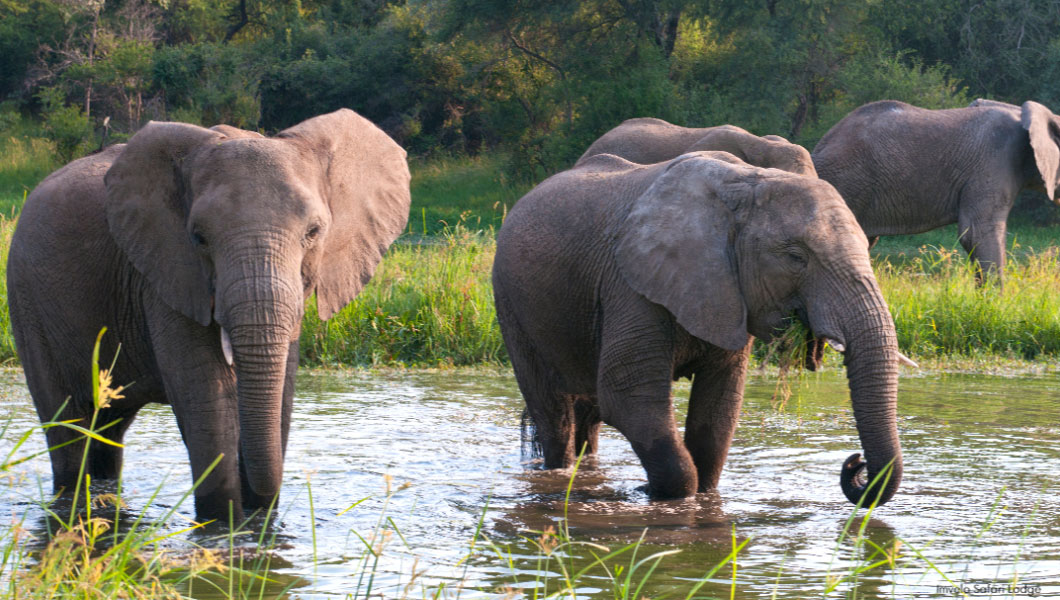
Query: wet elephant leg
{"points": [[586, 425], [53, 391], [105, 460], [551, 412], [713, 412], [634, 393], [201, 388]]}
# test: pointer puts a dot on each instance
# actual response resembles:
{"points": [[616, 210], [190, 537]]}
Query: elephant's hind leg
{"points": [[105, 460], [54, 398], [552, 412], [67, 446], [983, 237], [586, 424]]}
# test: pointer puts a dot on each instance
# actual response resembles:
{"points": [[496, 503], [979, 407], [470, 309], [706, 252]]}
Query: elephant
{"points": [[613, 279], [648, 141], [904, 169], [197, 248]]}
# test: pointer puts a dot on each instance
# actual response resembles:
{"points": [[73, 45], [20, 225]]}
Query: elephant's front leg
{"points": [[634, 396], [201, 388], [713, 412]]}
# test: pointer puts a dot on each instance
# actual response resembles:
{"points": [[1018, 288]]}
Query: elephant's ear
{"points": [[675, 247], [1044, 135], [366, 185], [147, 207]]}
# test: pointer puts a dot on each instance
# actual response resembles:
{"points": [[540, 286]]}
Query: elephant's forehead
{"points": [[248, 160], [811, 208], [251, 173]]}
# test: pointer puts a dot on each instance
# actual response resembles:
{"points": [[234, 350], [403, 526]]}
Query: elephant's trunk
{"points": [[260, 354], [871, 358], [261, 324]]}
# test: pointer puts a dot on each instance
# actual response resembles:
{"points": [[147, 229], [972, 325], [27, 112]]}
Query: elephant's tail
{"points": [[530, 443]]}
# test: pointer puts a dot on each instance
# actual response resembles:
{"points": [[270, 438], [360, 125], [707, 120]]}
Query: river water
{"points": [[977, 506]]}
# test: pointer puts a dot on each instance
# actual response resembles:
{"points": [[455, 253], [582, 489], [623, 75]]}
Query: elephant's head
{"points": [[1042, 169], [732, 249], [233, 228], [1043, 131]]}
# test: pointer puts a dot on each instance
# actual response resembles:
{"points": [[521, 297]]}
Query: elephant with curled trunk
{"points": [[197, 249], [613, 279], [904, 169], [647, 141]]}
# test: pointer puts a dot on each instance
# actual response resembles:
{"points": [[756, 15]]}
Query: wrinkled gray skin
{"points": [[648, 141], [904, 169], [174, 236], [612, 279]]}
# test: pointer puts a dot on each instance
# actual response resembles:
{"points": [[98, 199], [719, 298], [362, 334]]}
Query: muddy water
{"points": [[979, 498]]}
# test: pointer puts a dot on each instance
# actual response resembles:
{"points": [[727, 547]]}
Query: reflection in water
{"points": [[977, 499]]}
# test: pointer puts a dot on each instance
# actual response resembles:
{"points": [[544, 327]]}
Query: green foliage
{"points": [[868, 78], [65, 125], [535, 80], [25, 159], [210, 83], [25, 26], [474, 193]]}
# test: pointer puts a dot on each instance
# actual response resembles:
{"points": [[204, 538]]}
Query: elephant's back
{"points": [[895, 164], [554, 252], [67, 207], [576, 206], [645, 141], [61, 244]]}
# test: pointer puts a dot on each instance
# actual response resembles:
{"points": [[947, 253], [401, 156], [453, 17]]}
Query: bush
{"points": [[210, 83], [65, 124]]}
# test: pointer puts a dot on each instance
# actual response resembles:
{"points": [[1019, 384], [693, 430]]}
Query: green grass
{"points": [[24, 161], [473, 192], [429, 304]]}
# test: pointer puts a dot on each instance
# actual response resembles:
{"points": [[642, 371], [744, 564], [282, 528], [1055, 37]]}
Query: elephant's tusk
{"points": [[902, 359], [837, 345], [226, 347], [905, 360]]}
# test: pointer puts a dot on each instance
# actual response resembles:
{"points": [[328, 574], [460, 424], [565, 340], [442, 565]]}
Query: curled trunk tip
{"points": [[864, 488]]}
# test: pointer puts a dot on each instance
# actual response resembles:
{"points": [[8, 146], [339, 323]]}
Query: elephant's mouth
{"points": [[816, 340]]}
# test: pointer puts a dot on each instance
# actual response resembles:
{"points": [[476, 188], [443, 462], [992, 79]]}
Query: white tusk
{"points": [[838, 347], [226, 347], [905, 360]]}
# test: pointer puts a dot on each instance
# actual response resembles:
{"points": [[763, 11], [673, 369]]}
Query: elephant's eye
{"points": [[198, 239], [794, 256], [312, 233]]}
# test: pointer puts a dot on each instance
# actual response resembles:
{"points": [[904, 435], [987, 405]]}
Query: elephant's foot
{"points": [[671, 472]]}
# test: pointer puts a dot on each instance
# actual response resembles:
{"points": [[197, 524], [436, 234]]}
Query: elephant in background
{"points": [[197, 249], [613, 279], [904, 169], [648, 141]]}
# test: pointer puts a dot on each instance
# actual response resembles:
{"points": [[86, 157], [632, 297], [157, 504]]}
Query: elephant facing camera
{"points": [[197, 248]]}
